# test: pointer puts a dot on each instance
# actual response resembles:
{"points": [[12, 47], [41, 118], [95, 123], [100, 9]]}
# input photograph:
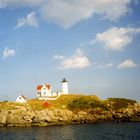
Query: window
{"points": [[39, 93]]}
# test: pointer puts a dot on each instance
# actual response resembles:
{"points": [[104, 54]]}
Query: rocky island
{"points": [[68, 109]]}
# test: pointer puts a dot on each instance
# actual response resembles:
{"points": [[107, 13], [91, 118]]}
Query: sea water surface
{"points": [[101, 131]]}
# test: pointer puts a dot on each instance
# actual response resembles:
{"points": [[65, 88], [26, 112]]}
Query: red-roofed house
{"points": [[44, 90]]}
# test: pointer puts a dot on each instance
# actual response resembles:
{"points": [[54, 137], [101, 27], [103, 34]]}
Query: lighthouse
{"points": [[64, 86]]}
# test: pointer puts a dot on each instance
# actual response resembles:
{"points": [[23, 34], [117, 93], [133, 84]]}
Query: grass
{"points": [[36, 104], [64, 101], [10, 105], [72, 102]]}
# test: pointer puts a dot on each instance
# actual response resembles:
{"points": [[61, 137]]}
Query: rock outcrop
{"points": [[24, 116]]}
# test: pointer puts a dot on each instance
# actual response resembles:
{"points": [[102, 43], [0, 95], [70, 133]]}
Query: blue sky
{"points": [[94, 44]]}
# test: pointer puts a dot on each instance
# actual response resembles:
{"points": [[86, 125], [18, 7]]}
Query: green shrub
{"points": [[118, 103], [86, 102]]}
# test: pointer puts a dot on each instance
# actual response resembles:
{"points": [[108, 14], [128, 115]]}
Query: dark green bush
{"points": [[86, 103], [117, 103]]}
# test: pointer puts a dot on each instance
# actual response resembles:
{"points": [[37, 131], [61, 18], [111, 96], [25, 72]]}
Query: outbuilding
{"points": [[21, 99]]}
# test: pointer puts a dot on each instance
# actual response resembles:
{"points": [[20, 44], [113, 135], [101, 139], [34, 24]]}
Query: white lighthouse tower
{"points": [[64, 86]]}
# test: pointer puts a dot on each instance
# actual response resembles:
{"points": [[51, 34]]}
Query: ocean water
{"points": [[102, 131]]}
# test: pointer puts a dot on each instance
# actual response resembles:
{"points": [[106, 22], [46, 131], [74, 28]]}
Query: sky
{"points": [[94, 44]]}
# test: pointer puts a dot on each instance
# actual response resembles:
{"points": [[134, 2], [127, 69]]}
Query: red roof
{"points": [[24, 97], [39, 87], [48, 86]]}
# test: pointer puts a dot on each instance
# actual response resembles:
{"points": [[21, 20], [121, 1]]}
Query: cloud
{"points": [[69, 12], [106, 65], [29, 20], [76, 61], [117, 38], [127, 64], [59, 57], [19, 3], [8, 52]]}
